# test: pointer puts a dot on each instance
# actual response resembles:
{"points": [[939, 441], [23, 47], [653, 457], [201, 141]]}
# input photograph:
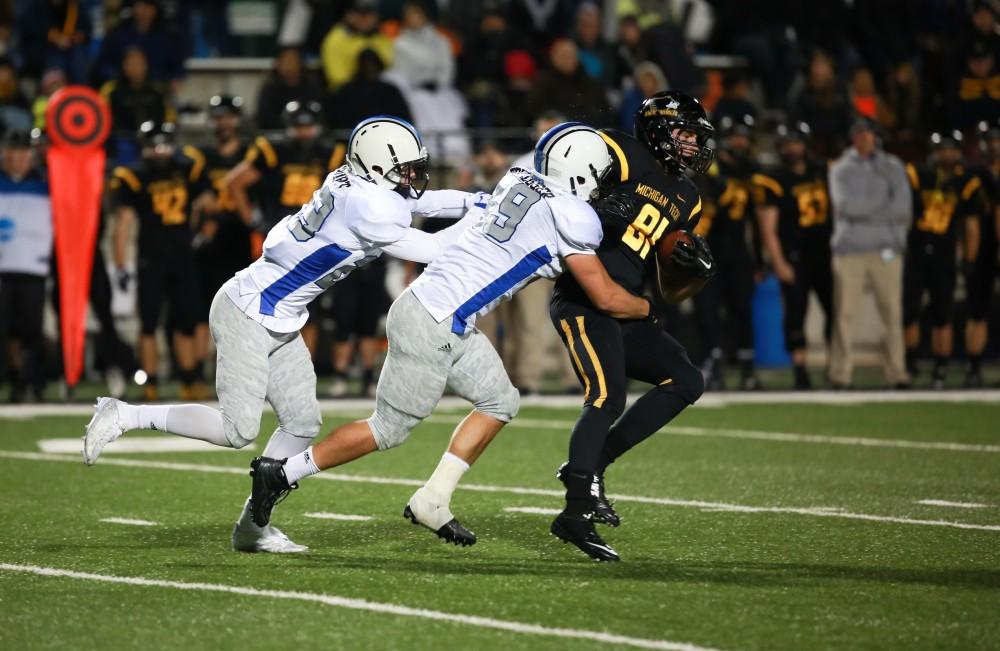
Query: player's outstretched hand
{"points": [[695, 257], [617, 205]]}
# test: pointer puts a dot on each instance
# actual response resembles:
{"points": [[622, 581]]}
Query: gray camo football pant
{"points": [[255, 364], [425, 357]]}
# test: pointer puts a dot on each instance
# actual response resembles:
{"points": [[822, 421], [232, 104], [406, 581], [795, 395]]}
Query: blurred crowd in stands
{"points": [[811, 101]]}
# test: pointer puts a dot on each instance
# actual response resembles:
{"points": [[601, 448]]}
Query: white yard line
{"points": [[362, 604], [787, 437], [133, 445], [338, 516], [957, 505], [131, 521], [533, 510], [720, 399], [516, 490]]}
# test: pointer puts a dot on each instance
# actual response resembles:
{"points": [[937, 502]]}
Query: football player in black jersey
{"points": [[946, 197], [287, 171], [981, 277], [158, 190], [728, 227], [647, 196], [222, 242], [795, 230]]}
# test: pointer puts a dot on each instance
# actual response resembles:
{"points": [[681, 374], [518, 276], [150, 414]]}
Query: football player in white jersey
{"points": [[534, 225], [362, 210]]}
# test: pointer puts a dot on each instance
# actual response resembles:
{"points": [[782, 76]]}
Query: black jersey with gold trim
{"points": [[161, 194], [230, 240], [729, 189], [290, 172], [942, 198], [803, 203], [664, 203]]}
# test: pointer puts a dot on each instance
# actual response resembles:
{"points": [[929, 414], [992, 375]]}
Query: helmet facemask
{"points": [[408, 178], [681, 155]]}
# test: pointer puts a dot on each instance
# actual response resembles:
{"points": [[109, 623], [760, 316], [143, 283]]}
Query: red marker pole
{"points": [[78, 123]]}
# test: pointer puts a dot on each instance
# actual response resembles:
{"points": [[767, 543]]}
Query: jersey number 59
{"points": [[646, 230]]}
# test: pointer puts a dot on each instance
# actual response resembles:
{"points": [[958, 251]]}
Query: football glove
{"points": [[616, 206], [696, 257]]}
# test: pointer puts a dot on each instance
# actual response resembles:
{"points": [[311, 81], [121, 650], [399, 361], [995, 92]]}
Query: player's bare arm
{"points": [[606, 295], [237, 181], [767, 217]]}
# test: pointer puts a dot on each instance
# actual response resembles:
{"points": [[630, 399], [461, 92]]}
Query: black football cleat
{"points": [[451, 531], [602, 511], [270, 486], [581, 532]]}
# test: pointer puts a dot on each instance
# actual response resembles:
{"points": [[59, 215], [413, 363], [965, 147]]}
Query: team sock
{"points": [[645, 417], [801, 376], [975, 364], [191, 421], [588, 439], [911, 361], [446, 476], [300, 466], [367, 379]]}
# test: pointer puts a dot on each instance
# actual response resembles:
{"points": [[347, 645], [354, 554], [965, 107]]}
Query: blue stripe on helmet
{"points": [[386, 118], [543, 142]]}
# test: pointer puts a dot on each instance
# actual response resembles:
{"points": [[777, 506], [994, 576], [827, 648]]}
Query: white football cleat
{"points": [[103, 428], [251, 538]]}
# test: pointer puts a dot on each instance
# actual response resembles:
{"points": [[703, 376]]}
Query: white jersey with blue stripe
{"points": [[527, 228], [347, 224]]}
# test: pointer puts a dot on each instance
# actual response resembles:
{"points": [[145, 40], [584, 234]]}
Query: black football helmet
{"points": [[655, 122], [225, 104], [301, 114], [941, 139], [794, 131], [153, 133], [740, 125]]}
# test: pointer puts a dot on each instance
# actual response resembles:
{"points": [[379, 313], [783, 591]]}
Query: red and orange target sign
{"points": [[77, 117]]}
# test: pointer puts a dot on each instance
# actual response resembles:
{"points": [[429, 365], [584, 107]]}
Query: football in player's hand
{"points": [[666, 246], [677, 281]]}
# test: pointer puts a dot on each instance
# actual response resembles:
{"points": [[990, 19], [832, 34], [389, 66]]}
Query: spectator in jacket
{"points": [[288, 83], [565, 87], [358, 31], [872, 208]]}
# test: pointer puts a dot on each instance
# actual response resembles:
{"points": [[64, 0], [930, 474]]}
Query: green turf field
{"points": [[733, 537]]}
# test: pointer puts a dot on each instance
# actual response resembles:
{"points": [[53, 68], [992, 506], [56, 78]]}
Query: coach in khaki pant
{"points": [[872, 208]]}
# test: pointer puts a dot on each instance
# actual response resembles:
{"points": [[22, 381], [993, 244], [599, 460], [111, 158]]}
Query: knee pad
{"points": [[305, 424], [688, 384], [391, 426], [240, 434], [612, 405], [503, 406]]}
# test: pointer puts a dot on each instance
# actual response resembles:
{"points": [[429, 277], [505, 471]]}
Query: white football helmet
{"points": [[575, 156], [388, 152]]}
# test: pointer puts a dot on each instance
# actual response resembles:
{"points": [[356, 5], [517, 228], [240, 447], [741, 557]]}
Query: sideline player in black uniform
{"points": [[981, 278], [728, 227], [795, 228], [945, 195], [648, 197], [158, 190], [288, 170], [222, 243]]}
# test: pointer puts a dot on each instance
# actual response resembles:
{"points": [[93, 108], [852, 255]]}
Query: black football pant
{"points": [[22, 307], [606, 352], [813, 273], [730, 291]]}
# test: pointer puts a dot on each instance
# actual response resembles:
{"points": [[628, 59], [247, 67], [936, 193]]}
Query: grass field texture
{"points": [[733, 537]]}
